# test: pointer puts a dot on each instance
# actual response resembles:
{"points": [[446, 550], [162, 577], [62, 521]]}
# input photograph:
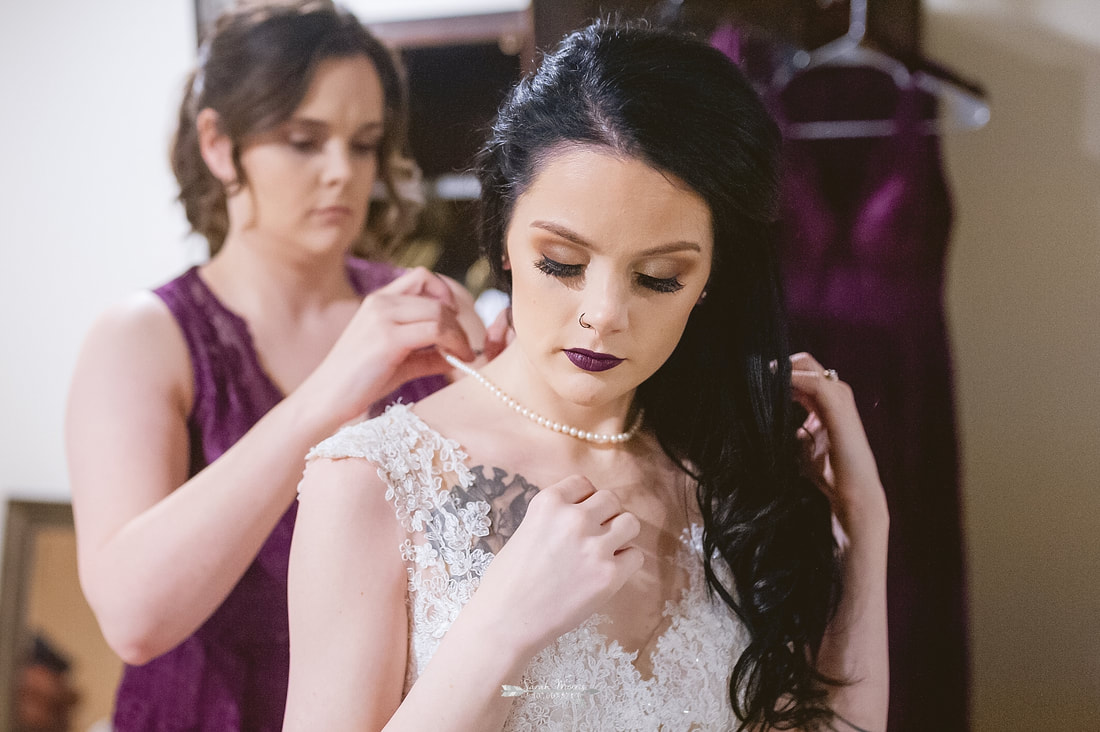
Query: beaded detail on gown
{"points": [[584, 680]]}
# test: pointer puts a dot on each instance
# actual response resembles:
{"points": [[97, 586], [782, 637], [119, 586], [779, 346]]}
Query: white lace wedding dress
{"points": [[583, 681]]}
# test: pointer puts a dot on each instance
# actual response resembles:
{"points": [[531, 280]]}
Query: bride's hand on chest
{"points": [[573, 550]]}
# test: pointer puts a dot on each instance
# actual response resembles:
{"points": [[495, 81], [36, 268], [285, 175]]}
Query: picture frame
{"points": [[44, 616]]}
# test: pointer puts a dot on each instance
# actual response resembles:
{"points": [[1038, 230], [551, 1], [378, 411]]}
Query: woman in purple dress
{"points": [[192, 406]]}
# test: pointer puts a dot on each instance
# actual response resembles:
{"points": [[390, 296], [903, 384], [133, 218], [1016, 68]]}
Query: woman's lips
{"points": [[592, 361], [333, 214]]}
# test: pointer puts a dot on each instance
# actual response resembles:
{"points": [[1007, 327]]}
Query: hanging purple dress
{"points": [[865, 227], [232, 673]]}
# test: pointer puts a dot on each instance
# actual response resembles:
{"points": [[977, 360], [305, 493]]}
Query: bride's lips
{"points": [[592, 361]]}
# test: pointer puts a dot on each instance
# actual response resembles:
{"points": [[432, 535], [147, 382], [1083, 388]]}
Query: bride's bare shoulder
{"points": [[456, 409]]}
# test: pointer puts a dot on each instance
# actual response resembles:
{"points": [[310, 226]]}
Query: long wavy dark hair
{"points": [[721, 404], [254, 70]]}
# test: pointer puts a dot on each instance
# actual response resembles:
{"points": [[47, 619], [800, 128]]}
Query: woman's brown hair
{"points": [[253, 71]]}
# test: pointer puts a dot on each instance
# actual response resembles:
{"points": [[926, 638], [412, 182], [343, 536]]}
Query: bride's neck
{"points": [[513, 373]]}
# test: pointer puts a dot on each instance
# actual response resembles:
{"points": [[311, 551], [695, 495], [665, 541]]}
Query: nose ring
{"points": [[581, 321]]}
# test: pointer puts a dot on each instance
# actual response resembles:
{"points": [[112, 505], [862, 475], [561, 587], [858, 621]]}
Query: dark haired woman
{"points": [[614, 525], [193, 406]]}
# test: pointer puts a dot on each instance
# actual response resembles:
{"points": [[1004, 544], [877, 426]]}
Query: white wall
{"points": [[89, 90], [1024, 306]]}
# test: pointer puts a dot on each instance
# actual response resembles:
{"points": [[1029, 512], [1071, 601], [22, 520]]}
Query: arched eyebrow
{"points": [[316, 125], [569, 235]]}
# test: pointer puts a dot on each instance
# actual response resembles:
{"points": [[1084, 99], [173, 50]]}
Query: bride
{"points": [[614, 525]]}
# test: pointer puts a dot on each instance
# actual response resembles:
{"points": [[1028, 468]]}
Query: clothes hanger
{"points": [[961, 107]]}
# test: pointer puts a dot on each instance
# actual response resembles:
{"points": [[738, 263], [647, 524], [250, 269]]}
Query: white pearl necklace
{"points": [[598, 438]]}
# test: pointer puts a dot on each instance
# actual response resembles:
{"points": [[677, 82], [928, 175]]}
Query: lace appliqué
{"points": [[582, 681]]}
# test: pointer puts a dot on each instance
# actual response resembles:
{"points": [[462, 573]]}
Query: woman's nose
{"points": [[337, 163], [604, 306]]}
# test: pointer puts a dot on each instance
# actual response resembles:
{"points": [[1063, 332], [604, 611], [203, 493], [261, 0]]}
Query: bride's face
{"points": [[608, 258]]}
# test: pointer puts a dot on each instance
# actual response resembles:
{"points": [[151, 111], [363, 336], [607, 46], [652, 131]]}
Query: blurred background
{"points": [[89, 91]]}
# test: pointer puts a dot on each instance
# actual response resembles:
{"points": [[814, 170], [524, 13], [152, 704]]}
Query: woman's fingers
{"points": [[423, 322], [836, 454], [466, 314], [573, 489], [622, 529], [499, 334], [421, 281], [398, 334], [603, 506]]}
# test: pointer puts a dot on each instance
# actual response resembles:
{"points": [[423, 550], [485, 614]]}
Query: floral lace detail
{"points": [[582, 681]]}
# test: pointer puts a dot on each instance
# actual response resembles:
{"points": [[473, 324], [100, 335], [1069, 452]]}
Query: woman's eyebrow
{"points": [[572, 236], [321, 125], [562, 231]]}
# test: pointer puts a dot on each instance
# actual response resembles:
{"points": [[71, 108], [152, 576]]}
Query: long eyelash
{"points": [[565, 271], [557, 269], [658, 284]]}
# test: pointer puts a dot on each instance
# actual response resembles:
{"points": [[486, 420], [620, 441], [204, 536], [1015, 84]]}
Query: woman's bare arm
{"points": [[839, 459], [158, 551]]}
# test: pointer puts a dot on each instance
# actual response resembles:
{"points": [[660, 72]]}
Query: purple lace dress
{"points": [[232, 673]]}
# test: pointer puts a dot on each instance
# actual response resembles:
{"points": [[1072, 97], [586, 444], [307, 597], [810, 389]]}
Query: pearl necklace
{"points": [[598, 438]]}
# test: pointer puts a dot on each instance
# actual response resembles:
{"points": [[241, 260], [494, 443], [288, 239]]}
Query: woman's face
{"points": [[613, 240], [310, 178]]}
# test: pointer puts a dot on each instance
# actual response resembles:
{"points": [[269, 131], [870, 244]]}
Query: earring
{"points": [[702, 296], [581, 321]]}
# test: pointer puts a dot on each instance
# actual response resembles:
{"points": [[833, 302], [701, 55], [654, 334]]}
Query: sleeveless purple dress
{"points": [[865, 227], [232, 673]]}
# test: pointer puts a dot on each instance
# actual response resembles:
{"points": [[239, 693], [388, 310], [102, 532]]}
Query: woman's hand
{"points": [[398, 334], [836, 454], [570, 554], [499, 334], [838, 458]]}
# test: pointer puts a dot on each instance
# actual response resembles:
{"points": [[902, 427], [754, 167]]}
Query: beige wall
{"points": [[1024, 306]]}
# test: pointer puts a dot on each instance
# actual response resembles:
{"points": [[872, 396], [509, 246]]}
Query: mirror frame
{"points": [[25, 519]]}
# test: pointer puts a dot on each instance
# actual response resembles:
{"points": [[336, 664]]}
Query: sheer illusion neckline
{"points": [[596, 625], [584, 679]]}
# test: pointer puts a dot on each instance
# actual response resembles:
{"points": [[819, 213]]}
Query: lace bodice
{"points": [[583, 681]]}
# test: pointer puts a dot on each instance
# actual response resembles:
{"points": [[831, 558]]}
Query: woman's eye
{"points": [[364, 148], [557, 269], [304, 144], [660, 284]]}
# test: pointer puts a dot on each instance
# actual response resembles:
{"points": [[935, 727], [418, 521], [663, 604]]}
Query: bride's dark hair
{"points": [[721, 405]]}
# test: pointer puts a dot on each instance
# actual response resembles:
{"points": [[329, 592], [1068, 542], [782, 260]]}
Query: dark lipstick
{"points": [[592, 361]]}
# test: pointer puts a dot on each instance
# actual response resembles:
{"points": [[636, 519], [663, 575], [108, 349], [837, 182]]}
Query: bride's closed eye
{"points": [[564, 271], [660, 284], [558, 269]]}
